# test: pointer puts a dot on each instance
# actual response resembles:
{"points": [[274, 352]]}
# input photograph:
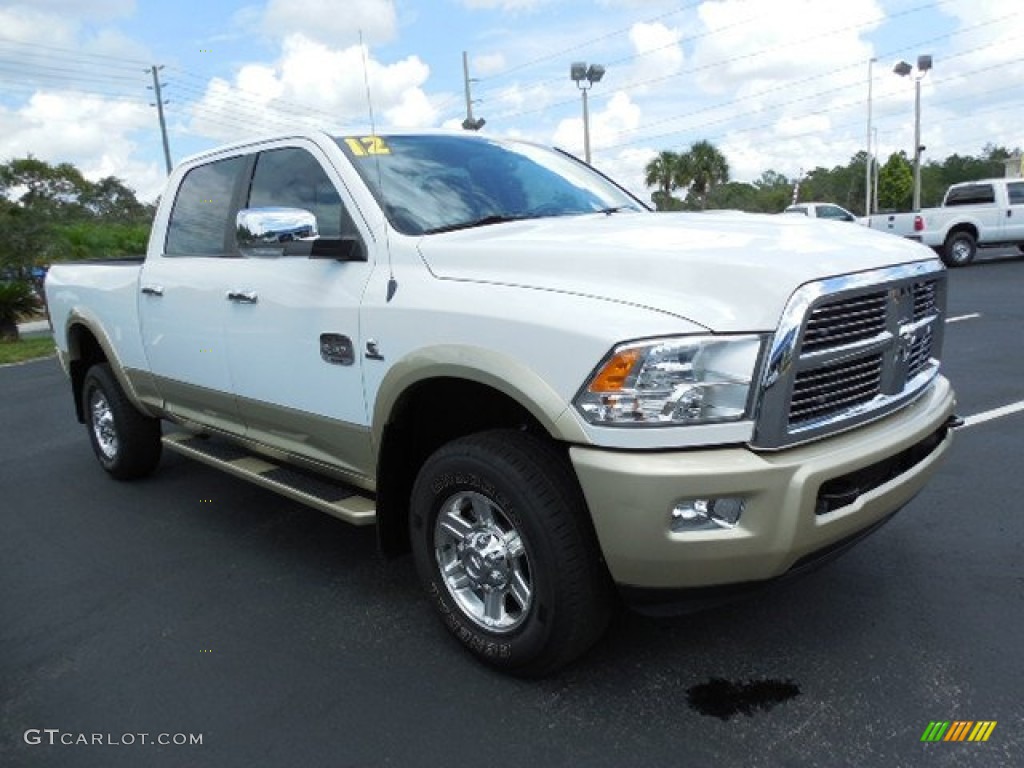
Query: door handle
{"points": [[153, 290], [243, 297]]}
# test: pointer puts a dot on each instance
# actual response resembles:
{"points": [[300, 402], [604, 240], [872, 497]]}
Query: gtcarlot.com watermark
{"points": [[55, 737]]}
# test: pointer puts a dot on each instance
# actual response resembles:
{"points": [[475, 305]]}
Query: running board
{"points": [[334, 498]]}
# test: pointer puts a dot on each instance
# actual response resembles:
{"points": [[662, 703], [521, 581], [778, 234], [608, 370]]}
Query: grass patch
{"points": [[26, 349]]}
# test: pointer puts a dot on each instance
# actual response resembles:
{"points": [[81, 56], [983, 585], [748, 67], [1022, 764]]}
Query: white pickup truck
{"points": [[553, 396], [974, 214]]}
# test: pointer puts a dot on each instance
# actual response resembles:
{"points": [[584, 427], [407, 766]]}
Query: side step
{"points": [[334, 498]]}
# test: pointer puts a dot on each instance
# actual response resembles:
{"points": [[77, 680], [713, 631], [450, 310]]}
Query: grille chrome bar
{"points": [[849, 350]]}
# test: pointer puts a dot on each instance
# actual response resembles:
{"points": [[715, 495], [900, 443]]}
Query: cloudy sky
{"points": [[775, 84]]}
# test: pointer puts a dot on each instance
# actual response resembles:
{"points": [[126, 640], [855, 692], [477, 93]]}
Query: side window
{"points": [[972, 194], [292, 178], [199, 220], [1016, 192]]}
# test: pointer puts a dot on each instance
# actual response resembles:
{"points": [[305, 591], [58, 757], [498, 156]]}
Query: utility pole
{"points": [[160, 112], [469, 123]]}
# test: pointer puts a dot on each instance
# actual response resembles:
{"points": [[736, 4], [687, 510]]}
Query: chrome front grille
{"points": [[845, 321], [851, 349], [831, 389]]}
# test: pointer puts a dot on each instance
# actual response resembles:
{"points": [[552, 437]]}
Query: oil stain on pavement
{"points": [[724, 698]]}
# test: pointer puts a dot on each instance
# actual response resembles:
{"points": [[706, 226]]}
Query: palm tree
{"points": [[707, 168], [662, 172], [16, 301]]}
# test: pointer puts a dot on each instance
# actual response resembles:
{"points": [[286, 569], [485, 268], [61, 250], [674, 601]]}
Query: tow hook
{"points": [[955, 421]]}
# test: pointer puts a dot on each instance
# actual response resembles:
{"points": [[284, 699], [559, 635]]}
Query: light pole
{"points": [[579, 72], [903, 69], [876, 154], [867, 171]]}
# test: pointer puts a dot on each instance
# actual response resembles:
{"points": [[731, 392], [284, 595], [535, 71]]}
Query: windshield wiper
{"points": [[493, 218]]}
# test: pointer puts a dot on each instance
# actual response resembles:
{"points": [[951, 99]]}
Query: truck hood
{"points": [[729, 272]]}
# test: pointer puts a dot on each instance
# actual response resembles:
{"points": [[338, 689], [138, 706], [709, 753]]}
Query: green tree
{"points": [[774, 192], [51, 212], [17, 300], [896, 183], [664, 171], [43, 188], [734, 195], [707, 168]]}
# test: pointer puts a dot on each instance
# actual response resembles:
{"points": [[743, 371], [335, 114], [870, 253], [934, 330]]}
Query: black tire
{"points": [[519, 512], [125, 441], [960, 249]]}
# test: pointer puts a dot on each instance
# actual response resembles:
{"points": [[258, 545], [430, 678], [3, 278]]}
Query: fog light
{"points": [[706, 514]]}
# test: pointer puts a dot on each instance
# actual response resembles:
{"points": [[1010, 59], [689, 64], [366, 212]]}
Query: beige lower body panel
{"points": [[631, 495]]}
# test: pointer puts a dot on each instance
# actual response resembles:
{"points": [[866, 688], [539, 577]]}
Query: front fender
{"points": [[483, 366]]}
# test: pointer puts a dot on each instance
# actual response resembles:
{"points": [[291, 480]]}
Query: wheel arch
{"points": [[88, 345], [439, 395], [962, 226]]}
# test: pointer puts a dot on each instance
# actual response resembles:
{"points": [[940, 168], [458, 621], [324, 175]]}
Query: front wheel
{"points": [[960, 249], [125, 441], [503, 547]]}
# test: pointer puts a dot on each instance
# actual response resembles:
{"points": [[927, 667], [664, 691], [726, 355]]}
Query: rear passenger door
{"points": [[294, 349], [182, 305], [1013, 231]]}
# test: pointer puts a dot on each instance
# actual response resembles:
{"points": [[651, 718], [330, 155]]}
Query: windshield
{"points": [[436, 183]]}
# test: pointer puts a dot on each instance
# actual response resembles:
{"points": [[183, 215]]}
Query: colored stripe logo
{"points": [[958, 730]]}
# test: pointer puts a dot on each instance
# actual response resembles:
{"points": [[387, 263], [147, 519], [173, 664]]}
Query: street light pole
{"points": [[868, 164], [917, 143], [586, 126], [580, 73], [876, 154], [903, 69]]}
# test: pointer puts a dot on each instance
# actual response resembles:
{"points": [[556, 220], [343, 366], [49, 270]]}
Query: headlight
{"points": [[673, 382]]}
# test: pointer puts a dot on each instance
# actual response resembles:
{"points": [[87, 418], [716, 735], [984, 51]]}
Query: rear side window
{"points": [[199, 224], [832, 212], [1016, 191], [971, 194]]}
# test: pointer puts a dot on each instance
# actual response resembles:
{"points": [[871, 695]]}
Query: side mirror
{"points": [[263, 232], [275, 232]]}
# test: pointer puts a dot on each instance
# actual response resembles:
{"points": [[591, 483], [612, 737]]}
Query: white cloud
{"points": [[93, 133], [329, 21], [658, 53], [487, 64], [607, 126], [93, 9], [316, 86], [748, 40]]}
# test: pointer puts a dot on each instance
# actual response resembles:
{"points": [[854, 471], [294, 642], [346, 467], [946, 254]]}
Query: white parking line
{"points": [[995, 413], [958, 318]]}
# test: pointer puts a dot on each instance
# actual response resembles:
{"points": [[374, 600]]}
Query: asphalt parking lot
{"points": [[194, 604]]}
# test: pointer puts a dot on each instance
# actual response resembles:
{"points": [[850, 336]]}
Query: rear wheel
{"points": [[125, 441], [505, 551], [960, 249]]}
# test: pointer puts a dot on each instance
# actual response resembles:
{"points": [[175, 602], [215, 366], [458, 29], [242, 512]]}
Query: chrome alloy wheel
{"points": [[103, 427], [961, 251], [483, 561]]}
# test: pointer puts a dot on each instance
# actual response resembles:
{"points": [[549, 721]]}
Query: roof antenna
{"points": [[392, 283]]}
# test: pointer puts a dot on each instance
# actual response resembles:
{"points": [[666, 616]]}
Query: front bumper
{"points": [[785, 522]]}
